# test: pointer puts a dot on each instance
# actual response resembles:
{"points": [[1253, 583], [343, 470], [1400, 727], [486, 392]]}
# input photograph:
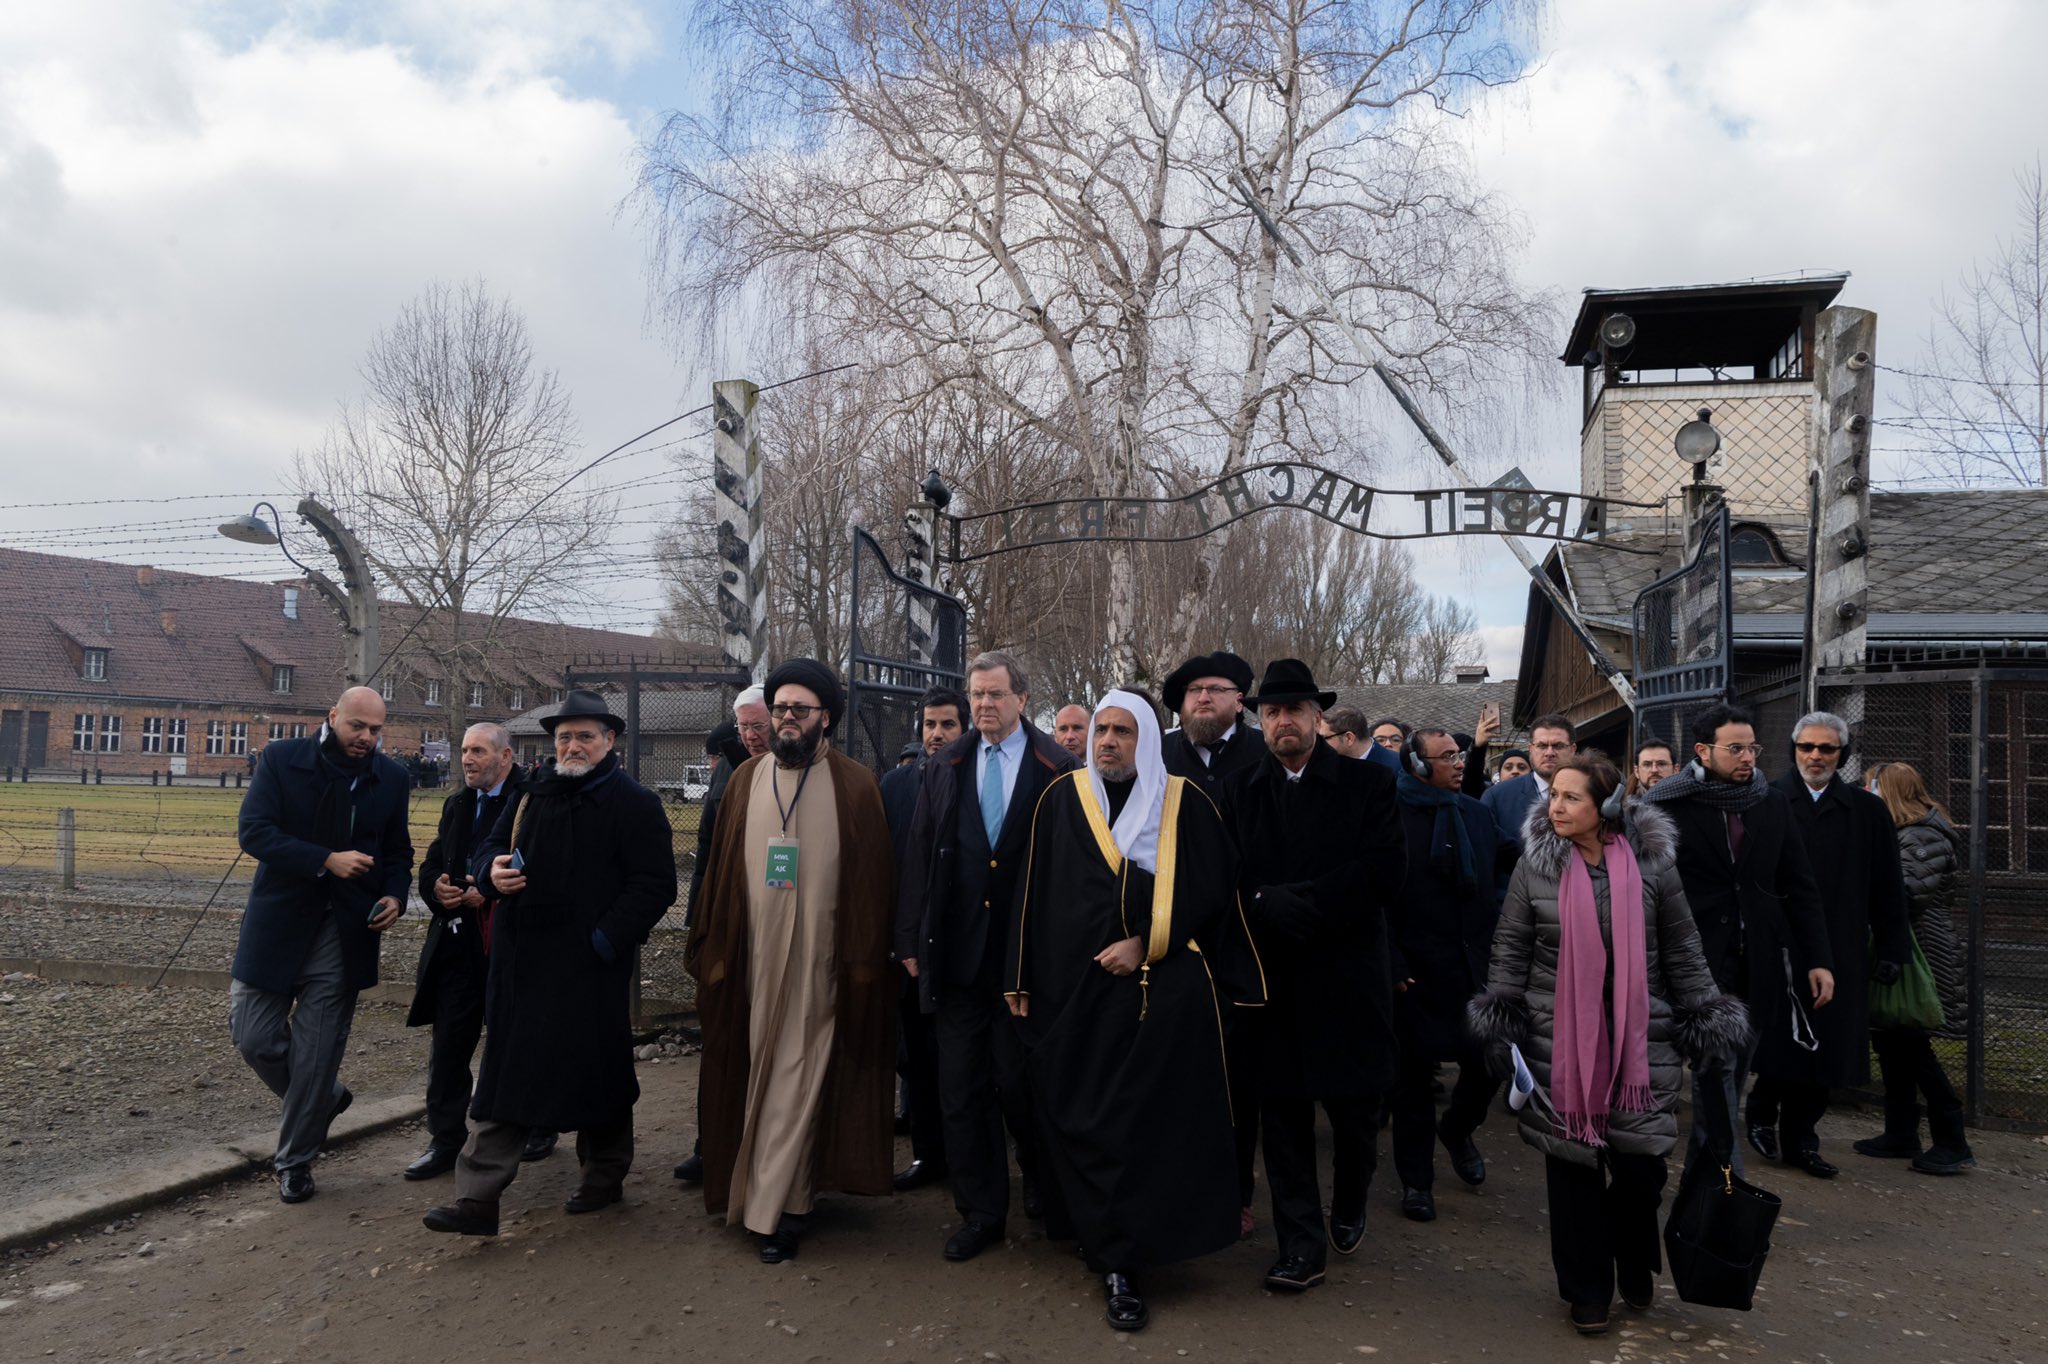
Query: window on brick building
{"points": [[281, 679], [238, 738], [276, 730], [476, 695], [299, 730], [433, 691], [110, 734], [94, 665], [81, 733], [174, 736], [216, 738], [153, 734]]}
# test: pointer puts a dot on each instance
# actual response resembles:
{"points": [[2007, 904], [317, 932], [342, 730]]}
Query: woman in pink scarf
{"points": [[1598, 979]]}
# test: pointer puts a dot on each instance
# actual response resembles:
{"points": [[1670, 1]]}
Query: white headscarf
{"points": [[1136, 831]]}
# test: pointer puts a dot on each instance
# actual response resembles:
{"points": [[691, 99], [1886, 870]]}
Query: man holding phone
{"points": [[449, 992], [325, 821]]}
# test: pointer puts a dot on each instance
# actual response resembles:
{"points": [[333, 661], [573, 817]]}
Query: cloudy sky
{"points": [[208, 209]]}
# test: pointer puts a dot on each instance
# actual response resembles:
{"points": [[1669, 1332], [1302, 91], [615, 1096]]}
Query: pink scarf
{"points": [[1595, 1067]]}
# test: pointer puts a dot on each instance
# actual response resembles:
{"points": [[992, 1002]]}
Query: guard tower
{"points": [[1651, 358]]}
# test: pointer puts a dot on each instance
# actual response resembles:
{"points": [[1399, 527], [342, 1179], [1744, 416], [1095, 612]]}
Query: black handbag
{"points": [[1719, 1231]]}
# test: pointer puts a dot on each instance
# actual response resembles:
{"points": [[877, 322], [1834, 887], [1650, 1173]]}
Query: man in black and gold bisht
{"points": [[1128, 945]]}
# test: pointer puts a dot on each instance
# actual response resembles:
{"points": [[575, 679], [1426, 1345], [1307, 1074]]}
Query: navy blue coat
{"points": [[1442, 940], [289, 899]]}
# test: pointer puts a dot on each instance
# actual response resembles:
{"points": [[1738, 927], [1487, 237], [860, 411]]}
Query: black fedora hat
{"points": [[1222, 663], [584, 705], [1288, 680]]}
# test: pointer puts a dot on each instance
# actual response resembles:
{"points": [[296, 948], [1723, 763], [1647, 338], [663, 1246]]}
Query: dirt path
{"points": [[1880, 1264]]}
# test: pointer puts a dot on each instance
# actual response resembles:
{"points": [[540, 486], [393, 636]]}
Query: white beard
{"points": [[574, 769]]}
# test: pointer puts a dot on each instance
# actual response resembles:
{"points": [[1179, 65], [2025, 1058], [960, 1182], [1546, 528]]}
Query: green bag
{"points": [[1911, 1001]]}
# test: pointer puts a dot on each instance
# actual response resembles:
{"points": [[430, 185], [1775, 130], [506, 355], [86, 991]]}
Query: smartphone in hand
{"points": [[518, 862]]}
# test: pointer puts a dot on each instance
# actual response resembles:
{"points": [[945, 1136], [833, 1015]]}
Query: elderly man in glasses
{"points": [[1855, 854], [1752, 893], [790, 950]]}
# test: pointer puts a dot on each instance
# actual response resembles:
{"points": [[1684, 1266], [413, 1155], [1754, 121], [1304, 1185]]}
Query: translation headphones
{"points": [[1417, 764], [1612, 806]]}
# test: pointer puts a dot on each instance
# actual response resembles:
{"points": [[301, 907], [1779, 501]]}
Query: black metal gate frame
{"points": [[874, 674]]}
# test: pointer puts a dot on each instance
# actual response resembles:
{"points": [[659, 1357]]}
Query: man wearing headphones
{"points": [[1855, 855], [1441, 924]]}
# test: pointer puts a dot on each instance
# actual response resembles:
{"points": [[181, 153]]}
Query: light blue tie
{"points": [[992, 794]]}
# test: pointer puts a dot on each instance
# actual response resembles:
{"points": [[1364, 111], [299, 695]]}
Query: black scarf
{"points": [[547, 827], [341, 785], [1450, 842], [1691, 780]]}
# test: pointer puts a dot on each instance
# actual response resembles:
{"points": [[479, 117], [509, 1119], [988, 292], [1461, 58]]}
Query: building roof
{"points": [[1689, 326], [697, 710], [186, 638], [1435, 705]]}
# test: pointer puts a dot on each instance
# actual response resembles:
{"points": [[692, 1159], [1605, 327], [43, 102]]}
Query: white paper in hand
{"points": [[1523, 1084]]}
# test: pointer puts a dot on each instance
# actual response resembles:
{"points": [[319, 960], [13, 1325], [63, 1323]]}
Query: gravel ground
{"points": [[1878, 1265], [101, 1080]]}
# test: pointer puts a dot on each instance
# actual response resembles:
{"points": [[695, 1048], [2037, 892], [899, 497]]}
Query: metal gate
{"points": [[1684, 641], [906, 638]]}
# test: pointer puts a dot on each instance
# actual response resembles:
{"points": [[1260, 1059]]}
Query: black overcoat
{"points": [[291, 895], [1241, 750], [1442, 940], [1751, 913], [558, 1052], [1854, 852], [455, 940], [1332, 844]]}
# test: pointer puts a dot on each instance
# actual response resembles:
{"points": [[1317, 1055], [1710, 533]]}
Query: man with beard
{"points": [[585, 862], [1855, 855], [967, 844], [942, 718], [1752, 894], [790, 951], [1551, 741], [750, 723], [455, 961], [1322, 856], [325, 822], [1070, 731], [1443, 922], [1128, 945], [1213, 741]]}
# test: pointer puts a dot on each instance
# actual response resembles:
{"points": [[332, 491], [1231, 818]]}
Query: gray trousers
{"points": [[490, 1158], [294, 1044]]}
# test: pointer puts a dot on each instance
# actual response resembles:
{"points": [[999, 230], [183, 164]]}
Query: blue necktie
{"points": [[992, 794]]}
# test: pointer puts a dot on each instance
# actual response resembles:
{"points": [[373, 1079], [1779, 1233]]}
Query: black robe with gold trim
{"points": [[1133, 1106]]}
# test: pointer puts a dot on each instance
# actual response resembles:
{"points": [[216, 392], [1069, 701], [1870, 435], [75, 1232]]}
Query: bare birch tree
{"points": [[442, 464], [1029, 203], [1980, 407]]}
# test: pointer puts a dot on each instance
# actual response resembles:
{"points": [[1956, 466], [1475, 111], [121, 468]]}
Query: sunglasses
{"points": [[1825, 750]]}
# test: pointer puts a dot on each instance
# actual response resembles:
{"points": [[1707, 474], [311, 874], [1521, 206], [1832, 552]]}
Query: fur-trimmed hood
{"points": [[1648, 829]]}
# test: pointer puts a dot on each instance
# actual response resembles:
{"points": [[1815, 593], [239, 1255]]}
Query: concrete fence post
{"points": [[67, 847]]}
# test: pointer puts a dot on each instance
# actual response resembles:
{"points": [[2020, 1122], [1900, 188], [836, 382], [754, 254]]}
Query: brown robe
{"points": [[854, 1143]]}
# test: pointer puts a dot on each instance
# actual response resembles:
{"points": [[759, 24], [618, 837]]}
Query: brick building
{"points": [[128, 670]]}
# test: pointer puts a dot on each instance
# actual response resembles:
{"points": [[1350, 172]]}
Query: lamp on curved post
{"points": [[357, 605]]}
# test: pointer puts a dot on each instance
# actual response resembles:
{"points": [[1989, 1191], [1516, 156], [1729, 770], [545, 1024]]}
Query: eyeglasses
{"points": [[1825, 750], [576, 736], [1553, 748], [1387, 740], [1206, 690], [1456, 755], [789, 710], [1740, 750], [755, 727], [997, 695]]}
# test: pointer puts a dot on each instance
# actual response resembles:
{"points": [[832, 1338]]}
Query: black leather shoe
{"points": [[1588, 1320], [295, 1183], [1126, 1310], [539, 1144], [1885, 1146], [777, 1246], [464, 1217], [1294, 1274], [588, 1199], [1943, 1159], [1466, 1163], [691, 1170], [348, 1096], [1418, 1205], [919, 1173], [1346, 1232], [1034, 1201], [972, 1239], [433, 1162], [1765, 1139], [1638, 1289], [1811, 1162]]}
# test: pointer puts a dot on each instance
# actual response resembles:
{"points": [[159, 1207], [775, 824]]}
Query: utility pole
{"points": [[742, 539]]}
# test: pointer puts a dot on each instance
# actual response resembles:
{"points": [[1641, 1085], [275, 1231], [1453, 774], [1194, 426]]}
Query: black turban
{"points": [[808, 672]]}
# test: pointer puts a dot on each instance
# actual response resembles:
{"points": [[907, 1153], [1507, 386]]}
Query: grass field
{"points": [[182, 831]]}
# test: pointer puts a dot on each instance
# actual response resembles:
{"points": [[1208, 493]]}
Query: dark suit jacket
{"points": [[292, 894], [1242, 751], [954, 898], [450, 854]]}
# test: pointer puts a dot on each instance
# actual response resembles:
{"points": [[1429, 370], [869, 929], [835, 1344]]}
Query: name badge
{"points": [[781, 863]]}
